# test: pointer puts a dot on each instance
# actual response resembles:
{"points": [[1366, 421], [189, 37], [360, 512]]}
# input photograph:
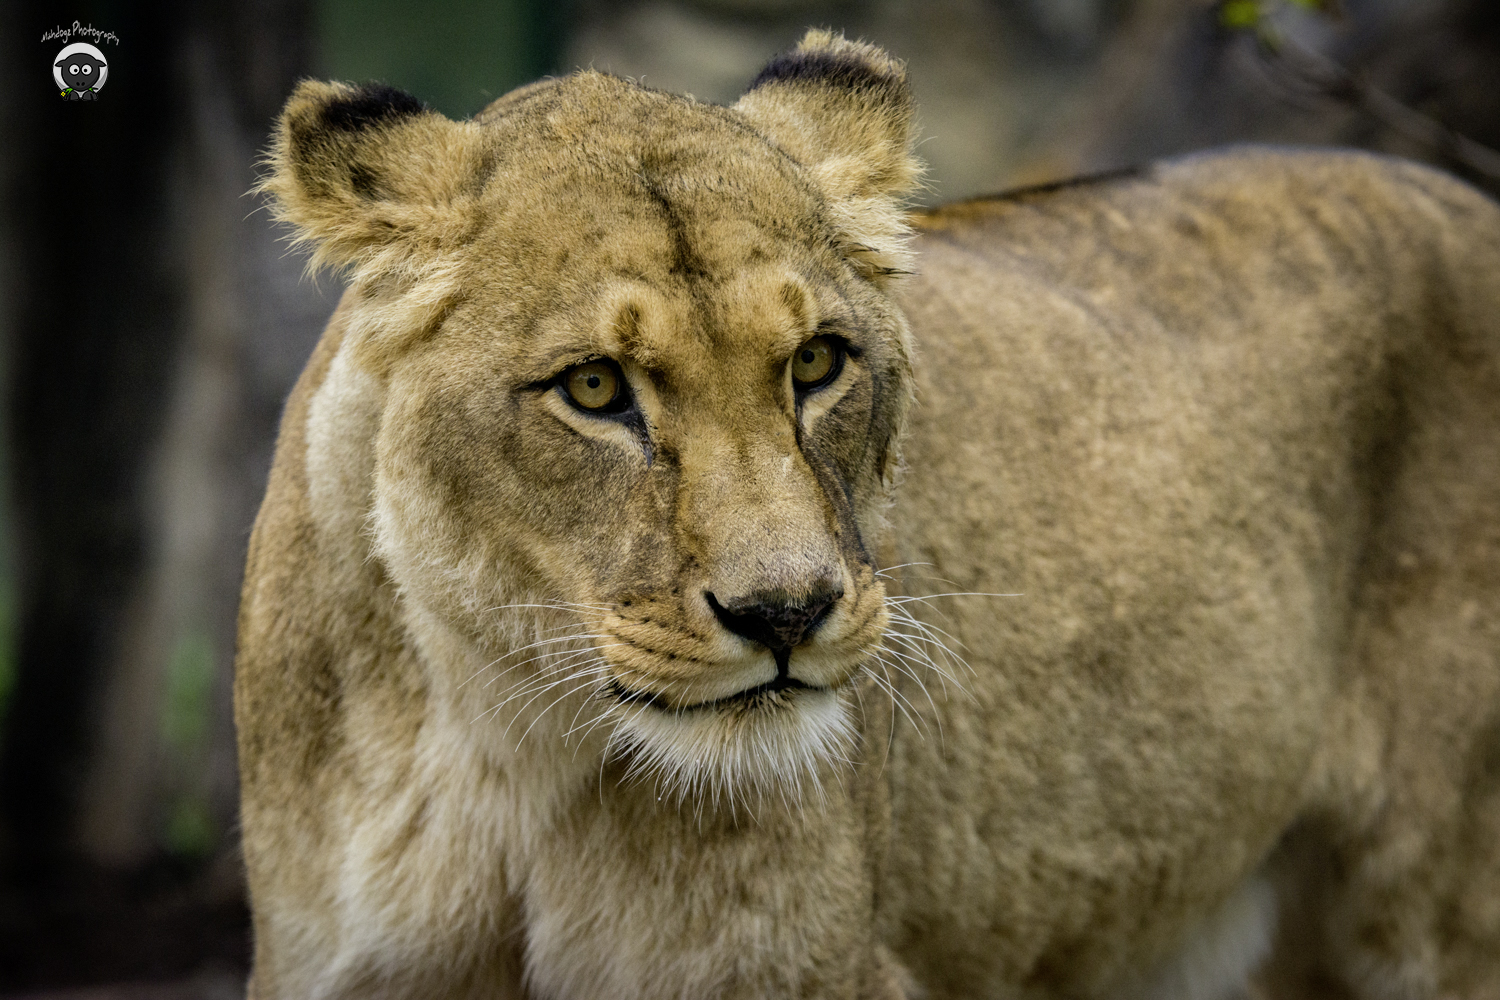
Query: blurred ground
{"points": [[151, 325]]}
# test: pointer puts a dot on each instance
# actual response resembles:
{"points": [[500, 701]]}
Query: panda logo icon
{"points": [[80, 71]]}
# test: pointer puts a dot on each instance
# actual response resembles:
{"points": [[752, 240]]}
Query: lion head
{"points": [[632, 384]]}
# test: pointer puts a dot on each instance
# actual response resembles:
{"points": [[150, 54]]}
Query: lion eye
{"points": [[814, 362], [593, 386]]}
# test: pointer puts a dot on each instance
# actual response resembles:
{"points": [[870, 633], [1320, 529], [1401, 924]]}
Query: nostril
{"points": [[776, 624]]}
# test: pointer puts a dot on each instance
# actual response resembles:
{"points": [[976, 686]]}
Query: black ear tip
{"points": [[826, 58], [369, 105], [844, 70]]}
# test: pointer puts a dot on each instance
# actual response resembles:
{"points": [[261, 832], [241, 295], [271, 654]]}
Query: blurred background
{"points": [[152, 324]]}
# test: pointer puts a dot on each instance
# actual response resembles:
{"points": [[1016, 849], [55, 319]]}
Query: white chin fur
{"points": [[736, 757]]}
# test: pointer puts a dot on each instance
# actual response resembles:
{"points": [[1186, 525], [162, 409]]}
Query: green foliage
{"points": [[190, 830], [185, 721], [457, 56], [190, 679], [1240, 13], [1244, 15]]}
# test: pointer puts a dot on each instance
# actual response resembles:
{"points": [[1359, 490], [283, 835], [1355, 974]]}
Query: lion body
{"points": [[1233, 429], [1228, 428]]}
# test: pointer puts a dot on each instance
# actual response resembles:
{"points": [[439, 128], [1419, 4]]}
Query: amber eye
{"points": [[814, 362], [593, 386]]}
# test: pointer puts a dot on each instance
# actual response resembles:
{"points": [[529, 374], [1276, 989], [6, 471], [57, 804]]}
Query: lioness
{"points": [[589, 648]]}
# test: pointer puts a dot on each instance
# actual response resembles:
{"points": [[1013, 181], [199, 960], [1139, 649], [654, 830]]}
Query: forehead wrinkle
{"points": [[757, 317], [714, 217], [576, 331], [665, 327], [687, 327]]}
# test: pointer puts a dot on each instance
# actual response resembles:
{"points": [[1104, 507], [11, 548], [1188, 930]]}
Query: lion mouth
{"points": [[759, 696]]}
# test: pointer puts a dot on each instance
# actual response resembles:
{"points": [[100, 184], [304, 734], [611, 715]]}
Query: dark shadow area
{"points": [[102, 927]]}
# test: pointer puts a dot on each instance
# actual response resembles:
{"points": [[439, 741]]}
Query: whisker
{"points": [[553, 668], [886, 570], [922, 656], [926, 577], [898, 700], [573, 722], [543, 681], [522, 649], [563, 659], [887, 689], [890, 733], [951, 593], [917, 654], [936, 630], [592, 672], [930, 634], [909, 665], [545, 654], [864, 713], [894, 603], [580, 674], [546, 642], [554, 606], [921, 686], [589, 726]]}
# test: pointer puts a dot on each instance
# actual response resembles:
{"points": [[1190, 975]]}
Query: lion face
{"points": [[641, 390]]}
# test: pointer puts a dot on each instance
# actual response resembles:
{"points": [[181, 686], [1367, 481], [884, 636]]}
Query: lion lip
{"points": [[740, 699]]}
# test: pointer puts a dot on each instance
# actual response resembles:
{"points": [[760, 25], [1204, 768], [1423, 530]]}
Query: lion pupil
{"points": [[807, 357], [593, 381]]}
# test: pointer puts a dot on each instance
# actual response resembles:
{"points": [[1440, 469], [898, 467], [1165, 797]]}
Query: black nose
{"points": [[776, 624]]}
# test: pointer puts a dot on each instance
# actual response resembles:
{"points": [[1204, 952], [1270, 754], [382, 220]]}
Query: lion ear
{"points": [[377, 182], [844, 111]]}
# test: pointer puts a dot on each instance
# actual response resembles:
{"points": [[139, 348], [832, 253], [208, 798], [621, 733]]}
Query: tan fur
{"points": [[1229, 427]]}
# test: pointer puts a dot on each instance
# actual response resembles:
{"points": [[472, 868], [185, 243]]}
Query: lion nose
{"points": [[777, 624]]}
